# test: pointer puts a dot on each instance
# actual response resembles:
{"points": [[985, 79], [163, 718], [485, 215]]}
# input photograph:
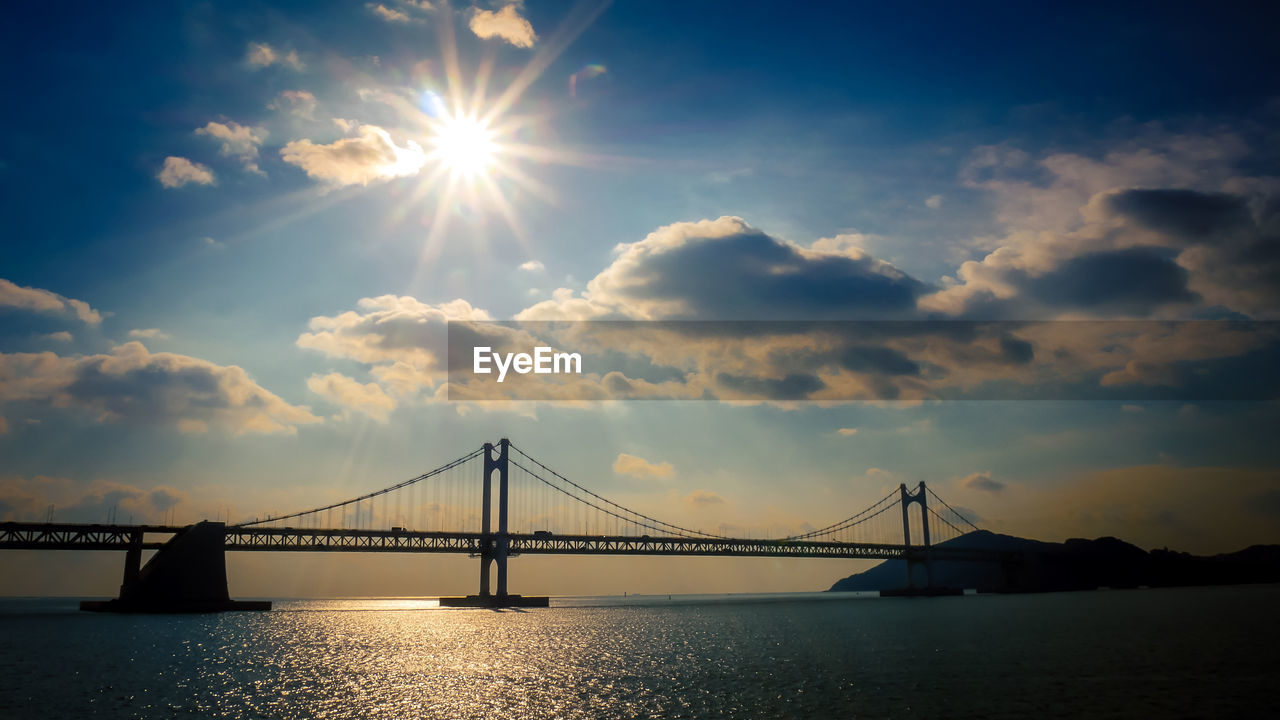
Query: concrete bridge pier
{"points": [[187, 574]]}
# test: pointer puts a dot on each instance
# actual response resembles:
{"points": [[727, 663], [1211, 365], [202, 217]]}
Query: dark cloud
{"points": [[795, 386], [1181, 213], [1133, 280], [724, 269]]}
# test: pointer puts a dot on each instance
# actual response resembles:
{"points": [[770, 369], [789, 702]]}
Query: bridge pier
{"points": [[187, 574], [494, 547]]}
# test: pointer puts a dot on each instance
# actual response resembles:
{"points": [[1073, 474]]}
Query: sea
{"points": [[1210, 652]]}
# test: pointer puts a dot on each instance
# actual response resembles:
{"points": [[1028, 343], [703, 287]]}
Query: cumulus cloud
{"points": [[982, 482], [370, 155], [179, 171], [130, 384], [641, 468], [724, 269], [296, 102], [403, 339], [533, 266], [40, 300], [1166, 226], [368, 398], [238, 141], [148, 334], [507, 24], [260, 55]]}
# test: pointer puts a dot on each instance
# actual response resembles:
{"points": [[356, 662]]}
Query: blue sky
{"points": [[190, 190]]}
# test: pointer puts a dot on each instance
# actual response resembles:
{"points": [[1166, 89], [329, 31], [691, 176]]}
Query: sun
{"points": [[465, 145]]}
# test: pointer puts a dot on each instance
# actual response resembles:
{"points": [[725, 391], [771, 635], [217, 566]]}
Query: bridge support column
{"points": [[494, 547], [920, 497]]}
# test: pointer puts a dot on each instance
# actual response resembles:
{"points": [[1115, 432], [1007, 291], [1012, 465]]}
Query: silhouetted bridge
{"points": [[411, 517]]}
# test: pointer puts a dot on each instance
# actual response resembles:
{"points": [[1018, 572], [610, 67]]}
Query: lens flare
{"points": [[465, 145]]}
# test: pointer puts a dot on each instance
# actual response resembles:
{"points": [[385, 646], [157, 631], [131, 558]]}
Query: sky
{"points": [[234, 233]]}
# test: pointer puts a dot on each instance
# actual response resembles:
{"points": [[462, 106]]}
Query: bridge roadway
{"points": [[71, 536]]}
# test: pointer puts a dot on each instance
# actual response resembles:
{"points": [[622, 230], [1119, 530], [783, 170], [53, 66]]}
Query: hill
{"points": [[1077, 564]]}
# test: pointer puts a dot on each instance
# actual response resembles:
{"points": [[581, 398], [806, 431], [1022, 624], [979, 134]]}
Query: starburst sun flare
{"points": [[465, 145]]}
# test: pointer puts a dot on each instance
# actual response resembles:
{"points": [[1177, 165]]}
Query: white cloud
{"points": [[260, 55], [39, 300], [238, 141], [847, 432], [506, 24], [367, 398], [133, 385], [371, 155], [388, 14], [61, 336], [533, 266], [641, 468], [933, 202], [149, 334], [405, 340], [296, 102], [179, 171]]}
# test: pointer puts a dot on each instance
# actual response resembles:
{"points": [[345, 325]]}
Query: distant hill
{"points": [[1076, 564]]}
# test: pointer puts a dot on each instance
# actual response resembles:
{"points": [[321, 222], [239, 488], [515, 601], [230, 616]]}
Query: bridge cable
{"points": [[471, 456], [957, 512], [607, 501]]}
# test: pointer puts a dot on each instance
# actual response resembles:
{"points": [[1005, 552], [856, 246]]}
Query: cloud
{"points": [[371, 155], [149, 334], [388, 14], [260, 55], [982, 482], [4, 426], [724, 269], [60, 336], [847, 432], [703, 499], [933, 202], [296, 102], [1131, 408], [238, 141], [533, 266], [506, 24], [404, 340], [27, 499], [368, 398], [641, 468], [1167, 226], [133, 385], [39, 300], [179, 171]]}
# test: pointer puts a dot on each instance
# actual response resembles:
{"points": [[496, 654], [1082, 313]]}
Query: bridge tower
{"points": [[914, 560], [495, 548]]}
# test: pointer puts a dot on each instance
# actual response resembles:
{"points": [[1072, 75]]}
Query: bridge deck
{"points": [[68, 536]]}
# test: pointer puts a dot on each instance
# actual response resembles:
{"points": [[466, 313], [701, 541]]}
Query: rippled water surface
{"points": [[1206, 652]]}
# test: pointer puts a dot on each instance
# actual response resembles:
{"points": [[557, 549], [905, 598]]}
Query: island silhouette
{"points": [[1077, 564]]}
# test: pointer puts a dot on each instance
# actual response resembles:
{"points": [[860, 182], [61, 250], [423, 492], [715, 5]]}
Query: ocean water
{"points": [[1194, 652]]}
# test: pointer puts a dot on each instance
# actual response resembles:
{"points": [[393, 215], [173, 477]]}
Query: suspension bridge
{"points": [[451, 509]]}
